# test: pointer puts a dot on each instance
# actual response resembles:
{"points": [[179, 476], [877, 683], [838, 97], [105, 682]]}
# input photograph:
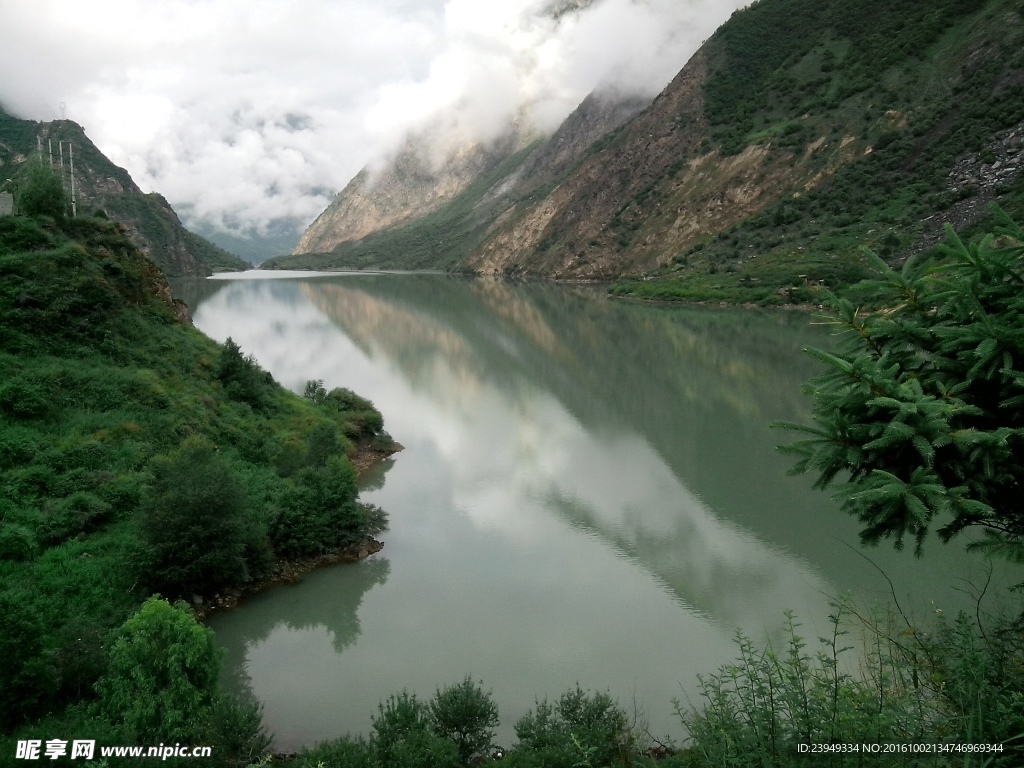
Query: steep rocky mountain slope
{"points": [[412, 186], [800, 131], [152, 224], [424, 212]]}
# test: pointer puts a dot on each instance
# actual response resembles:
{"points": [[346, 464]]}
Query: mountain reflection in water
{"points": [[589, 493]]}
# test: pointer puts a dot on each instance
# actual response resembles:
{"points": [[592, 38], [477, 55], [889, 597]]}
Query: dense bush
{"points": [[25, 672], [319, 511], [452, 730], [194, 523], [162, 686], [362, 420], [580, 729], [466, 715], [162, 679], [40, 192], [242, 376]]}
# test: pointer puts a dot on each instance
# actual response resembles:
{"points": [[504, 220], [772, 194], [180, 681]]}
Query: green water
{"points": [[589, 492]]}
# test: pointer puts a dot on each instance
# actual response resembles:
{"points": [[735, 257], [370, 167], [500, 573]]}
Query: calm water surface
{"points": [[589, 493]]}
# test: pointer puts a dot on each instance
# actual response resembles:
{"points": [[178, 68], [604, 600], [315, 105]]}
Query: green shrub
{"points": [[346, 751], [580, 729], [41, 193], [79, 658], [17, 446], [23, 399], [954, 683], [19, 235], [235, 728], [122, 492], [319, 512], [242, 377], [78, 513], [163, 672], [193, 524], [323, 443], [25, 676], [403, 736], [16, 542], [342, 399], [466, 715]]}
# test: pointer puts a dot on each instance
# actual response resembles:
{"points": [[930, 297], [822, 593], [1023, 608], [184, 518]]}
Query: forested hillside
{"points": [[137, 456]]}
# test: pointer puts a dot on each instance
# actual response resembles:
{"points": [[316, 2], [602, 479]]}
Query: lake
{"points": [[589, 493]]}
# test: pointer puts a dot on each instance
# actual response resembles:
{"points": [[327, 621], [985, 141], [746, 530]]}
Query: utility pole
{"points": [[74, 206]]}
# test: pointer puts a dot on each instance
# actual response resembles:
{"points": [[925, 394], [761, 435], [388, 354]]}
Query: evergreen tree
{"points": [[922, 405]]}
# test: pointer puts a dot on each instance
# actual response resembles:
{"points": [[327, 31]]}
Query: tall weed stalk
{"points": [[874, 680]]}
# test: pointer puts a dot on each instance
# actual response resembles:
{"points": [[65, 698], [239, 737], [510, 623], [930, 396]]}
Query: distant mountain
{"points": [[100, 185], [434, 212], [426, 207], [800, 131], [254, 249]]}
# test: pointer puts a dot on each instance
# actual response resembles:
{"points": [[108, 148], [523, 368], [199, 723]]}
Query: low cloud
{"points": [[249, 115]]}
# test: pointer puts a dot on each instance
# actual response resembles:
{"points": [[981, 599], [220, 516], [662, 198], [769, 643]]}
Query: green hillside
{"points": [[100, 185], [139, 456], [931, 94]]}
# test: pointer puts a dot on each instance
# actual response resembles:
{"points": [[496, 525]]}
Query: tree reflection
{"points": [[333, 605]]}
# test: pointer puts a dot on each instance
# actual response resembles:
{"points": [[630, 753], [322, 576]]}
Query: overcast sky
{"points": [[248, 112]]}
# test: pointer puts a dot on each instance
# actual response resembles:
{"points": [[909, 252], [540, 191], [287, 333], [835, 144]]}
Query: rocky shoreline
{"points": [[291, 571], [284, 572]]}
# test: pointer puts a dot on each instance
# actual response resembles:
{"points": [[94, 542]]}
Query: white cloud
{"points": [[243, 112]]}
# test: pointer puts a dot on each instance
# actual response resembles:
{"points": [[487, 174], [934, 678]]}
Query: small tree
{"points": [[162, 679], [922, 406], [403, 736], [193, 523], [41, 193], [466, 715], [581, 728], [242, 377]]}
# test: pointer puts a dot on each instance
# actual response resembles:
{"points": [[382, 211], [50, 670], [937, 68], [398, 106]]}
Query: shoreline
{"points": [[287, 571]]}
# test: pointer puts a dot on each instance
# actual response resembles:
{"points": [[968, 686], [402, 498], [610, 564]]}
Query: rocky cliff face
{"points": [[412, 186], [529, 236], [149, 219], [474, 185]]}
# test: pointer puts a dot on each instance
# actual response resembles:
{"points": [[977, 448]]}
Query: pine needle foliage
{"points": [[919, 415]]}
